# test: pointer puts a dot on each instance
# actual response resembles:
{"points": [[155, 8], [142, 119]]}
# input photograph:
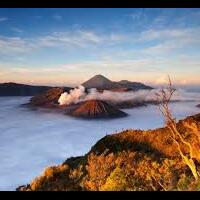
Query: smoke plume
{"points": [[79, 94], [74, 96]]}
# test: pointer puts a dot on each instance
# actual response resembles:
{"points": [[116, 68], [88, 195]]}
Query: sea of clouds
{"points": [[31, 140]]}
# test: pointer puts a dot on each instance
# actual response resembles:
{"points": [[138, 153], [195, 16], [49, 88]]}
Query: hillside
{"points": [[133, 160]]}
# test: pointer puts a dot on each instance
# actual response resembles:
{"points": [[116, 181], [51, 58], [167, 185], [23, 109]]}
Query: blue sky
{"points": [[68, 46]]}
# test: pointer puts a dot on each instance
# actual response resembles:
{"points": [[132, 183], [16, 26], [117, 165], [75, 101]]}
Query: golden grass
{"points": [[132, 160]]}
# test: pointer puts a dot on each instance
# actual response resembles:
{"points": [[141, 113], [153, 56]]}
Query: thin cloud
{"points": [[14, 45], [114, 37], [57, 17], [38, 17], [69, 39], [154, 34], [17, 30], [108, 45], [56, 39], [2, 19], [170, 40], [138, 15]]}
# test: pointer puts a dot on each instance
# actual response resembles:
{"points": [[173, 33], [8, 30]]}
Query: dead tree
{"points": [[164, 98]]}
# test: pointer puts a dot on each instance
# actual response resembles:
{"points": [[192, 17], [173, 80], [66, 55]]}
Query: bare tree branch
{"points": [[164, 98]]}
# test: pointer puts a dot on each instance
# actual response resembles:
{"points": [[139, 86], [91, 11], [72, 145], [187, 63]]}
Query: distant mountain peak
{"points": [[98, 81], [100, 77], [101, 82]]}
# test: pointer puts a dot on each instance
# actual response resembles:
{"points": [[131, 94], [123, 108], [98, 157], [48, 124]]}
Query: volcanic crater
{"points": [[96, 109]]}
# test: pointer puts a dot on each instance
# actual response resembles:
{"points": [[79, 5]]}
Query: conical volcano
{"points": [[96, 109], [99, 82], [102, 83]]}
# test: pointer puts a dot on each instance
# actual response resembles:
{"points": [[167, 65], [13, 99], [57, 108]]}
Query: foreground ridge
{"points": [[130, 160]]}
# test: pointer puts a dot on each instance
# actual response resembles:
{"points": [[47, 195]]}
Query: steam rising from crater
{"points": [[79, 94], [73, 96]]}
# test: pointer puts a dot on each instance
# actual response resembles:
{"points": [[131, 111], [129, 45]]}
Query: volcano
{"points": [[99, 82], [102, 83], [96, 109]]}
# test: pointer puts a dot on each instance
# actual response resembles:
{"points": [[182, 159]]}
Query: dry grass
{"points": [[131, 160]]}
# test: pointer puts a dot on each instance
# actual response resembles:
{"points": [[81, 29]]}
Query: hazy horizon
{"points": [[187, 87], [68, 46]]}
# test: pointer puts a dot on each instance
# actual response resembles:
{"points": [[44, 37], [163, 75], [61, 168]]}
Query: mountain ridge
{"points": [[98, 81], [18, 89], [102, 83]]}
